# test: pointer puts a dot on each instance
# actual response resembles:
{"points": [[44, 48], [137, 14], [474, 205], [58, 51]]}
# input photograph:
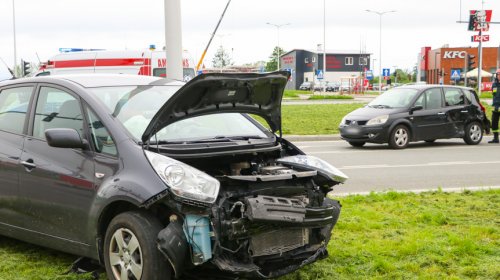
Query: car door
{"points": [[57, 186], [14, 104], [457, 111], [429, 122]]}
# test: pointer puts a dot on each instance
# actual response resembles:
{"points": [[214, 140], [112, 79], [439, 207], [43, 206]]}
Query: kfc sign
{"points": [[454, 54], [479, 20], [482, 38]]}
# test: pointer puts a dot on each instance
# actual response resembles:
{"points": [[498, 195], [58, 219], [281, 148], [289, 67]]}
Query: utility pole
{"points": [[14, 28], [278, 26], [173, 39]]}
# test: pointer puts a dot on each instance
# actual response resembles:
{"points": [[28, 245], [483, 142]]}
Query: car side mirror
{"points": [[65, 138], [416, 108]]}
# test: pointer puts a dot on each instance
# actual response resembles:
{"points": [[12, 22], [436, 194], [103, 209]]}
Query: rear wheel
{"points": [[399, 138], [473, 133], [357, 144], [130, 251]]}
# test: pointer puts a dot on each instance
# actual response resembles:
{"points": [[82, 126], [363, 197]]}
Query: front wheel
{"points": [[473, 133], [130, 251], [399, 137]]}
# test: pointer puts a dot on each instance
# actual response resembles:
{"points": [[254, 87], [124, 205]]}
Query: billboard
{"points": [[479, 20]]}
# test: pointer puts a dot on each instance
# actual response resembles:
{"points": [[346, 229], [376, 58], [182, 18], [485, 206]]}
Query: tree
{"points": [[272, 64], [221, 58]]}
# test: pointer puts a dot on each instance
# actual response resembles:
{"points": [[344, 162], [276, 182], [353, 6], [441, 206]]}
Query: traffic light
{"points": [[25, 68], [470, 61]]}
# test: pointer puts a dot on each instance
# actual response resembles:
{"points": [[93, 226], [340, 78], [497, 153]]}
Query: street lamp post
{"points": [[278, 26], [14, 29], [380, 14]]}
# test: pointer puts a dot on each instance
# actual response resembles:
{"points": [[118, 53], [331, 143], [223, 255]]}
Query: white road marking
{"points": [[430, 164], [451, 189]]}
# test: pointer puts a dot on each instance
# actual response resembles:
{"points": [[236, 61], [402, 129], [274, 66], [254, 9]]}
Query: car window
{"points": [[394, 98], [13, 107], [453, 97], [433, 99], [420, 101], [56, 109], [100, 136], [468, 95]]}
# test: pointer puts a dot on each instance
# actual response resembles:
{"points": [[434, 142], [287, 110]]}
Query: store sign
{"points": [[482, 38], [454, 54], [479, 20]]}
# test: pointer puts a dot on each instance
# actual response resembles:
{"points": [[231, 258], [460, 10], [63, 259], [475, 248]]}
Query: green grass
{"points": [[315, 119], [413, 236], [432, 235], [487, 94], [320, 97], [295, 93]]}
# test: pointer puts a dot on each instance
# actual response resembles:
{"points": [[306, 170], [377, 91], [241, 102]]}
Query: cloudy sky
{"points": [[42, 27]]}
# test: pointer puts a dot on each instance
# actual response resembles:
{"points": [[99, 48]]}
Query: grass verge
{"points": [[413, 236], [314, 119], [431, 235], [295, 93], [320, 97]]}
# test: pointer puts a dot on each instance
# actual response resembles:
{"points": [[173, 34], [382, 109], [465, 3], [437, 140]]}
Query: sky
{"points": [[42, 27]]}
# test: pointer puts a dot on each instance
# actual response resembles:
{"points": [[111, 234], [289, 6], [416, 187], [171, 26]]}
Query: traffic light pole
{"points": [[480, 63], [466, 68]]}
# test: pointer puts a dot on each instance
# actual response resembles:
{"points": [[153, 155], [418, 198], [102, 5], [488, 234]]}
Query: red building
{"points": [[439, 63]]}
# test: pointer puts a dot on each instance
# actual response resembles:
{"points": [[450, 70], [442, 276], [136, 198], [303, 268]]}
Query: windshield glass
{"points": [[394, 98], [135, 106]]}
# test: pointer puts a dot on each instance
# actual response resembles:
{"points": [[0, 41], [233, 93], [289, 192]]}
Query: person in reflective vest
{"points": [[496, 106]]}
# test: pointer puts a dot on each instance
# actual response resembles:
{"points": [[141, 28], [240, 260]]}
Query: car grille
{"points": [[352, 122]]}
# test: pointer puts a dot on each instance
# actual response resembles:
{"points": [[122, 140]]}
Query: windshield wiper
{"points": [[221, 138], [380, 106]]}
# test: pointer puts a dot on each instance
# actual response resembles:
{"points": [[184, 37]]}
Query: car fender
{"points": [[404, 122]]}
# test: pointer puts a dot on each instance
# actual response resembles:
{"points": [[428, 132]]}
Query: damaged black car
{"points": [[159, 179]]}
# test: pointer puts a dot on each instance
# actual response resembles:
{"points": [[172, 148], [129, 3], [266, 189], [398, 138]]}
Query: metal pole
{"points": [[278, 28], [14, 29], [213, 34], [498, 57], [173, 39], [324, 46], [465, 68], [480, 63]]}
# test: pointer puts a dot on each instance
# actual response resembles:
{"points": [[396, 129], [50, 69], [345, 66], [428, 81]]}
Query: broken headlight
{"points": [[184, 181], [305, 161]]}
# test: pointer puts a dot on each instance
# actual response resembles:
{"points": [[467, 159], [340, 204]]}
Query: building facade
{"points": [[437, 65], [339, 64]]}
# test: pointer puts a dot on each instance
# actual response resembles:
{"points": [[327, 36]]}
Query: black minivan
{"points": [[155, 178], [417, 113]]}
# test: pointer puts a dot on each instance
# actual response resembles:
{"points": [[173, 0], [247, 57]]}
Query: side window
{"points": [[433, 99], [420, 101], [101, 138], [56, 109], [453, 97], [469, 95], [13, 107]]}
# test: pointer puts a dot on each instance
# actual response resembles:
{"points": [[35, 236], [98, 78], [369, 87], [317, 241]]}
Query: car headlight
{"points": [[316, 164], [378, 120], [183, 180]]}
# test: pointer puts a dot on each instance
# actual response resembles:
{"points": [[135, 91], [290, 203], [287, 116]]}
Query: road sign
{"points": [[455, 74], [386, 72], [480, 38], [319, 74], [369, 74]]}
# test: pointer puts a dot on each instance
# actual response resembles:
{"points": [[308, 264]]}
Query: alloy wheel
{"points": [[401, 137], [475, 132], [125, 255]]}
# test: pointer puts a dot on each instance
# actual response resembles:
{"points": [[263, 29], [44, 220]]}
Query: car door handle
{"points": [[28, 164], [465, 111], [441, 113]]}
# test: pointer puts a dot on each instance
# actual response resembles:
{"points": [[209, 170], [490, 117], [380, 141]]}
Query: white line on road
{"points": [[452, 189], [430, 164]]}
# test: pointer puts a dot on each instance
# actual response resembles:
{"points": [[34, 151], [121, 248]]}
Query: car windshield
{"points": [[135, 106], [394, 98]]}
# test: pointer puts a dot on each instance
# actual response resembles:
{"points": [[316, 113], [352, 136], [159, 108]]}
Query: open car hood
{"points": [[258, 94]]}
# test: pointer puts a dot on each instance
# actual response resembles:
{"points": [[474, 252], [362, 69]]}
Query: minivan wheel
{"points": [[357, 144], [473, 133], [399, 138], [130, 251]]}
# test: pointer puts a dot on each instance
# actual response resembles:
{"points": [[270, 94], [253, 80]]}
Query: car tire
{"points": [[130, 247], [473, 133], [399, 137], [357, 144], [430, 140]]}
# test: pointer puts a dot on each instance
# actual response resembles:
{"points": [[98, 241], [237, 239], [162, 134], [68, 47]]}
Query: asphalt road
{"points": [[448, 164]]}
